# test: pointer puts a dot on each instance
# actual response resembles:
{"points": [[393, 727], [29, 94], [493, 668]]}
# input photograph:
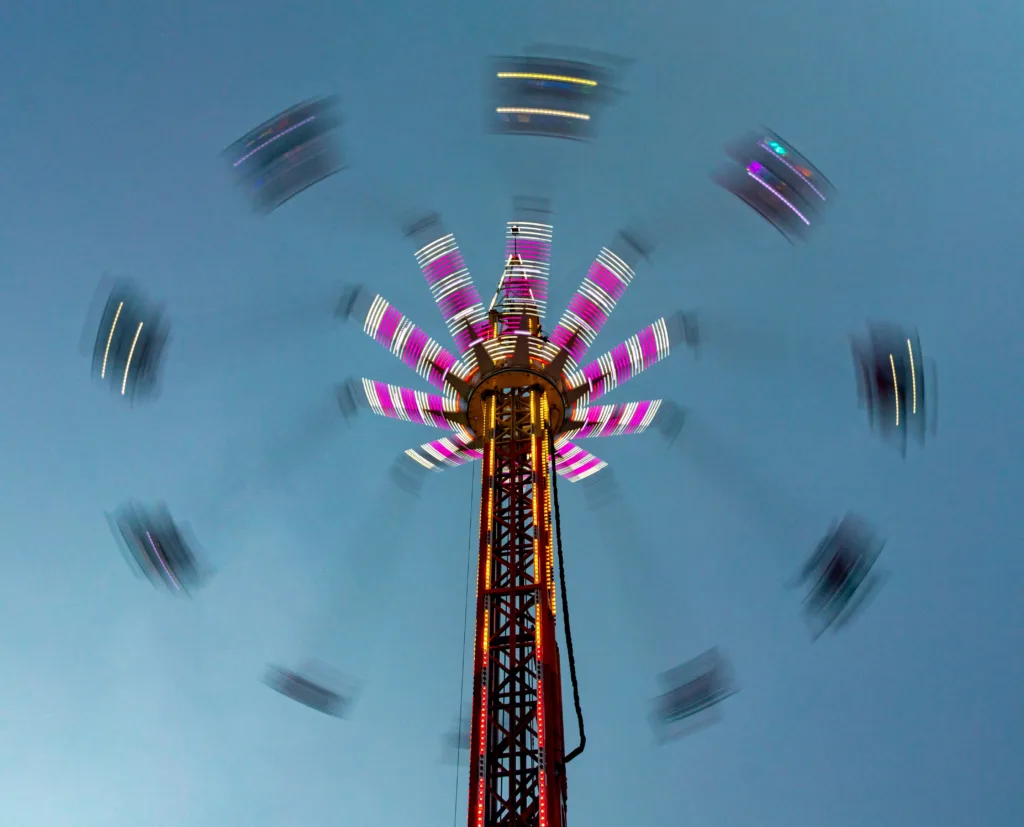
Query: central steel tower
{"points": [[516, 399], [517, 770]]}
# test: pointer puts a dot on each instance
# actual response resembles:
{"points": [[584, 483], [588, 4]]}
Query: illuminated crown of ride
{"points": [[504, 346]]}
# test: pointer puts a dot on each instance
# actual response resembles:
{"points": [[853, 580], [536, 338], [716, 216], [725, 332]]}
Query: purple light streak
{"points": [[776, 193], [803, 177], [160, 559], [272, 139]]}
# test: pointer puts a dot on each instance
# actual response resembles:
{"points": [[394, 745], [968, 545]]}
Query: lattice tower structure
{"points": [[516, 400]]}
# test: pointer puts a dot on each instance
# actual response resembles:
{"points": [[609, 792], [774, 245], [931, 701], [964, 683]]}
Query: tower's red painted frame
{"points": [[517, 751]]}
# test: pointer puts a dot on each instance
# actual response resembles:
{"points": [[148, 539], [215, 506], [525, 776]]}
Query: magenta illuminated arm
{"points": [[592, 304], [448, 451], [575, 463], [525, 284], [384, 323], [409, 405], [453, 290], [613, 420], [632, 357]]}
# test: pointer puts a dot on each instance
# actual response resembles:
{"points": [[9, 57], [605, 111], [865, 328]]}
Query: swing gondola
{"points": [[841, 574], [692, 690], [547, 96], [130, 343], [287, 154], [778, 182], [158, 547], [311, 690], [892, 385]]}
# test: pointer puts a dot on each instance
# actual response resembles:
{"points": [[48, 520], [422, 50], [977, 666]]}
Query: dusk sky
{"points": [[121, 706]]}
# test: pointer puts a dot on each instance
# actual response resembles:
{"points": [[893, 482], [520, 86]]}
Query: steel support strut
{"points": [[517, 769]]}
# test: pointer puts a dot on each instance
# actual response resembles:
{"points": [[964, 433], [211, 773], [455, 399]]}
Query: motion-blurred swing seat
{"points": [[840, 567], [771, 177], [891, 381], [288, 153], [692, 688], [307, 691], [130, 344], [158, 547], [547, 96]]}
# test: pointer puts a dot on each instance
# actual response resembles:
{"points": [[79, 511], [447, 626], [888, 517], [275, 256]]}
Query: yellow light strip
{"points": [[487, 479], [542, 76], [546, 476], [110, 338], [895, 388], [535, 457], [913, 376], [128, 364], [541, 555], [491, 414], [523, 110]]}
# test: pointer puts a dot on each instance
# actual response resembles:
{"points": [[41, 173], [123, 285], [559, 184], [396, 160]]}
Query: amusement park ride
{"points": [[519, 399]]}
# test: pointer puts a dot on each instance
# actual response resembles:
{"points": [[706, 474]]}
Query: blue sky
{"points": [[121, 706]]}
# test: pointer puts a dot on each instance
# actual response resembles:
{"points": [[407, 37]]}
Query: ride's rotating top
{"points": [[505, 346]]}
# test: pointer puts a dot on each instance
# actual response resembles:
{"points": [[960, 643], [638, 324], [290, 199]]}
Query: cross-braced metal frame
{"points": [[517, 773]]}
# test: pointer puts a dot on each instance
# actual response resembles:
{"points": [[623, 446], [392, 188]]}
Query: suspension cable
{"points": [[565, 607]]}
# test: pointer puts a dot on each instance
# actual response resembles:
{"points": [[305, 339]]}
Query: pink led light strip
{"points": [[409, 405], [575, 463], [593, 303], [626, 360], [451, 451], [526, 285], [453, 290], [386, 325], [614, 420]]}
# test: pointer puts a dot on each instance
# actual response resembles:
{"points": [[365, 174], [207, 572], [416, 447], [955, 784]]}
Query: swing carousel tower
{"points": [[512, 396], [517, 400]]}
